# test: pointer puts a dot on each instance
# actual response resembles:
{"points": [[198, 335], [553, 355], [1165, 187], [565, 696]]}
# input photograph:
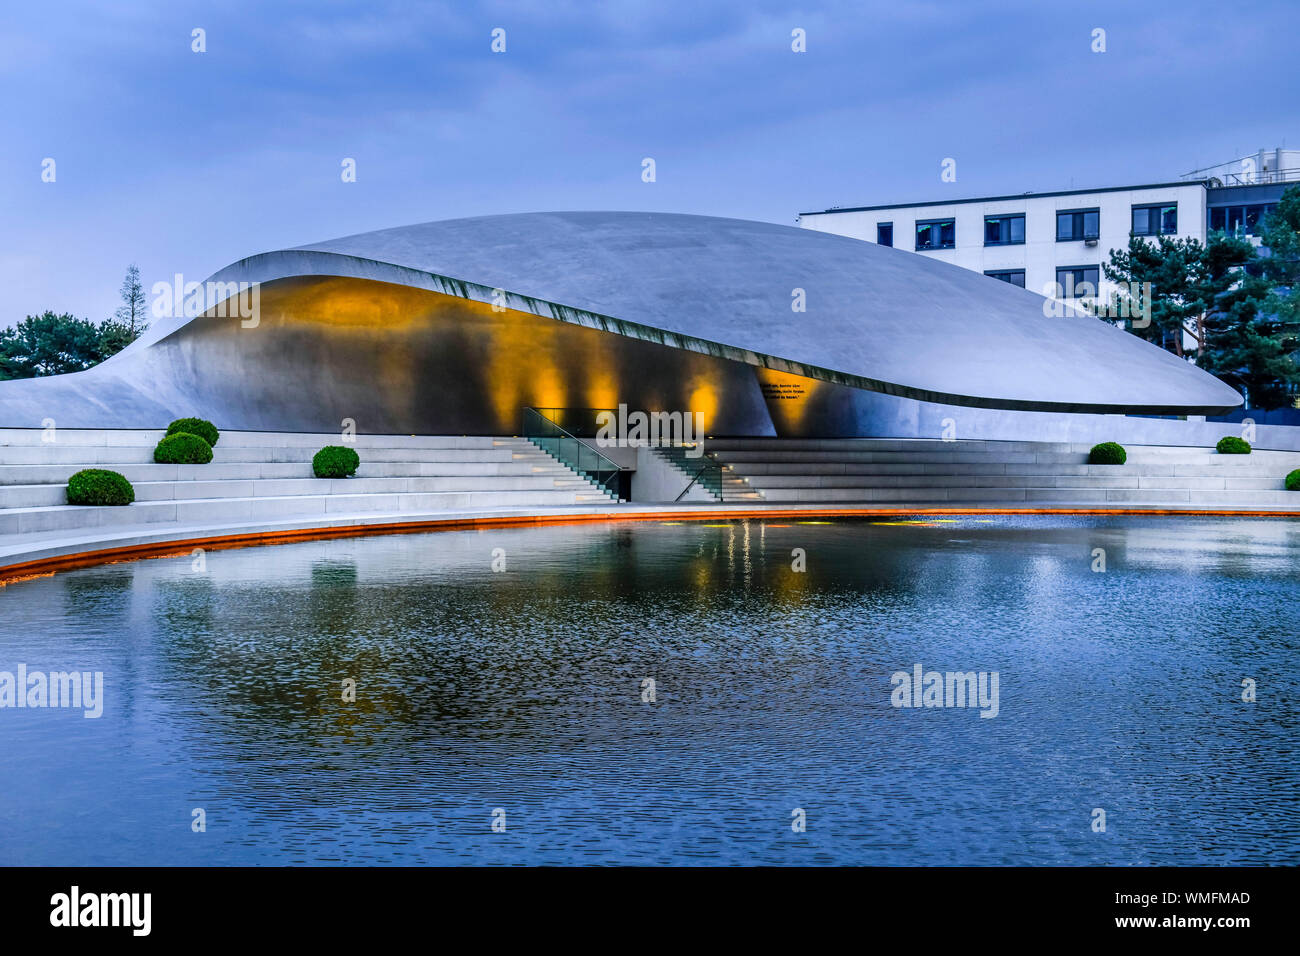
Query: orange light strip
{"points": [[45, 567]]}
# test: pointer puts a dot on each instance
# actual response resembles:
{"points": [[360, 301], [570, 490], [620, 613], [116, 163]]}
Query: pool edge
{"points": [[178, 546]]}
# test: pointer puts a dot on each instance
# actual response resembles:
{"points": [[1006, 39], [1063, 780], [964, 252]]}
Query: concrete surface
{"points": [[259, 485], [876, 318]]}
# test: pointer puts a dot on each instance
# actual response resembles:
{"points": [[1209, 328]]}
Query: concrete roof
{"points": [[876, 318]]}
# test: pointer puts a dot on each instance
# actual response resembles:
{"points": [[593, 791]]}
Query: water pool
{"points": [[516, 697]]}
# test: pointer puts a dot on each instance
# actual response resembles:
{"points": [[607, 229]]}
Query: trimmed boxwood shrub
{"points": [[335, 461], [182, 449], [95, 486], [1107, 453], [196, 426], [1232, 445], [1293, 481]]}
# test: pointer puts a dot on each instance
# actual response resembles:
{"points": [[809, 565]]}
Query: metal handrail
{"points": [[1230, 180], [585, 459], [1267, 177], [692, 483], [709, 467]]}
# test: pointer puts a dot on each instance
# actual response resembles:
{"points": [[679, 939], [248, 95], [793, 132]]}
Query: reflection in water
{"points": [[522, 690]]}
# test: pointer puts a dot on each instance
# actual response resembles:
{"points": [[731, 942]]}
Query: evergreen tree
{"points": [[131, 313], [1174, 269], [1254, 321], [1236, 304], [113, 337], [49, 344]]}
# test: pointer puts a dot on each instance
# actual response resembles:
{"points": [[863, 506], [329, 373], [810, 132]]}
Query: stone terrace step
{"points": [[149, 437], [936, 456], [1257, 469], [1047, 497], [223, 454], [197, 510], [216, 471], [910, 445], [30, 496], [930, 472], [742, 460], [267, 476], [768, 482], [724, 447]]}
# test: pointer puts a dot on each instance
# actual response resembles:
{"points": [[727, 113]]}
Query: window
{"points": [[1004, 230], [1014, 276], [885, 233], [1254, 217], [936, 233], [1076, 281], [1073, 224], [1159, 220], [1248, 220]]}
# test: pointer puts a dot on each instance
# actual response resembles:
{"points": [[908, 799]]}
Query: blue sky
{"points": [[184, 162]]}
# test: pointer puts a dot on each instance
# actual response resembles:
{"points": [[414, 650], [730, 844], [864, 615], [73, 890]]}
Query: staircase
{"points": [[548, 436], [710, 474], [260, 476], [1015, 474]]}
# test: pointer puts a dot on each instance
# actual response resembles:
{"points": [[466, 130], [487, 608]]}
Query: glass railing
{"points": [[565, 447], [703, 471]]}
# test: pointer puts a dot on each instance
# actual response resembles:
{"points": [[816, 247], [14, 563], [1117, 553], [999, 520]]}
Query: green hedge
{"points": [[335, 461], [1231, 445], [196, 426], [1293, 481], [182, 449], [95, 486], [1107, 453]]}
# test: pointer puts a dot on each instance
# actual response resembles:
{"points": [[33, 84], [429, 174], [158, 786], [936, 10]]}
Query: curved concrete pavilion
{"points": [[396, 330]]}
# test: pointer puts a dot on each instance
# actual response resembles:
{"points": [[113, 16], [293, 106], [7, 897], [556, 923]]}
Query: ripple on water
{"points": [[523, 690]]}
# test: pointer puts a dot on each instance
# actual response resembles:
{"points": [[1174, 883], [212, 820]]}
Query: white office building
{"points": [[1044, 242], [1055, 243]]}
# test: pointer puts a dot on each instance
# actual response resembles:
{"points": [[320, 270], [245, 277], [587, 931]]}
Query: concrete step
{"points": [[223, 454], [215, 471], [30, 496], [724, 446], [77, 437], [769, 482], [885, 457], [743, 460], [66, 517], [1258, 469], [887, 495], [1116, 497], [909, 445]]}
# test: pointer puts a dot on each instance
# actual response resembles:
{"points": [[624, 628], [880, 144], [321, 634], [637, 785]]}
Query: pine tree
{"points": [[1254, 321], [48, 344], [1174, 269], [131, 313]]}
